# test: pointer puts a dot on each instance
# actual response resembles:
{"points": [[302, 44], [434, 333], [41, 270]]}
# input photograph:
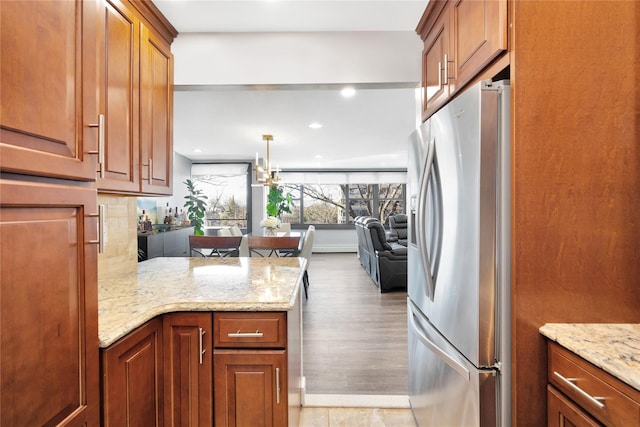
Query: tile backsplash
{"points": [[121, 237]]}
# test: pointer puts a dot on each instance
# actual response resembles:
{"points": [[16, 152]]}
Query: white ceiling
{"points": [[367, 131]]}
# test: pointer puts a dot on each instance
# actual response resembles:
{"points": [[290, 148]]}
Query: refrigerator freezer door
{"points": [[444, 388]]}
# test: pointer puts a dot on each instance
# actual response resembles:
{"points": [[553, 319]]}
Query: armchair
{"points": [[389, 269], [365, 252], [398, 228]]}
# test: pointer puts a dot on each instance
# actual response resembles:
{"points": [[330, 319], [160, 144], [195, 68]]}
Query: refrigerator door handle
{"points": [[422, 205], [454, 364]]}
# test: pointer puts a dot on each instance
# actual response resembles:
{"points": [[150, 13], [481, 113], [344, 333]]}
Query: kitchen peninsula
{"points": [[202, 337]]}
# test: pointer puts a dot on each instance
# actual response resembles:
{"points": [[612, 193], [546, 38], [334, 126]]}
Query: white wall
{"points": [[296, 58]]}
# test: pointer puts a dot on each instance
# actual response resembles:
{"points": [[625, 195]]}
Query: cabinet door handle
{"points": [[100, 241], [277, 386], [446, 69], [150, 171], [439, 75], [256, 334], [100, 151], [570, 382], [201, 344]]}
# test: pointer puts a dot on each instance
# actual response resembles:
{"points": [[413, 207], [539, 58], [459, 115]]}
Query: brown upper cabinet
{"points": [[49, 105], [136, 83], [87, 93], [460, 39], [119, 79], [156, 113]]}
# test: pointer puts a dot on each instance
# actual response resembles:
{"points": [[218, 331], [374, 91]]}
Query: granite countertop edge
{"points": [[116, 320], [109, 336], [612, 347]]}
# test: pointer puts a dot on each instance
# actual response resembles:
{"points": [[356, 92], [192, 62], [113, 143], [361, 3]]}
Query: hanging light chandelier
{"points": [[264, 174]]}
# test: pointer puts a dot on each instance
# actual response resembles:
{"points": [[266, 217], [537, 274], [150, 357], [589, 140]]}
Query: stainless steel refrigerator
{"points": [[458, 262]]}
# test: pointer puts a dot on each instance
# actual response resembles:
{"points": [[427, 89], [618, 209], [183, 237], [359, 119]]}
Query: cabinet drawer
{"points": [[250, 330], [618, 406]]}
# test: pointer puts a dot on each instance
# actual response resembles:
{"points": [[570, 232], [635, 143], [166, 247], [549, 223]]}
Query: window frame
{"points": [[375, 202]]}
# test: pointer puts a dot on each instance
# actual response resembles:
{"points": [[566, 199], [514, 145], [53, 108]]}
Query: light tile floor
{"points": [[356, 411]]}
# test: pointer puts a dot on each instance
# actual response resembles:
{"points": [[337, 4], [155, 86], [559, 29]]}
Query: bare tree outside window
{"points": [[342, 203], [227, 196]]}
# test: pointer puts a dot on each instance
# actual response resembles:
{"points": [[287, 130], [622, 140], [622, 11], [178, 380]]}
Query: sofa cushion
{"points": [[399, 223], [378, 236]]}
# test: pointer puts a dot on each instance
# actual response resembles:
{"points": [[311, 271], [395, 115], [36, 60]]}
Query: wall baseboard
{"points": [[335, 248]]}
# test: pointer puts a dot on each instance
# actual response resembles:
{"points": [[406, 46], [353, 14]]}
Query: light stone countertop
{"points": [[164, 285], [613, 347]]}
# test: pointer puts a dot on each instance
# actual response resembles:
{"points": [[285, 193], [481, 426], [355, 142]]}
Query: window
{"points": [[226, 187], [336, 205]]}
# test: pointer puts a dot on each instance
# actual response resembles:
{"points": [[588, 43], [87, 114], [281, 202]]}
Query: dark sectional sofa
{"points": [[384, 261]]}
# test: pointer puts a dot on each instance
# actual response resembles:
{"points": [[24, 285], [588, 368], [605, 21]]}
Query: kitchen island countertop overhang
{"points": [[164, 285]]}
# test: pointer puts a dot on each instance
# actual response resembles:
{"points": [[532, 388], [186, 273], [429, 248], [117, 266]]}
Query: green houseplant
{"points": [[196, 207], [278, 202]]}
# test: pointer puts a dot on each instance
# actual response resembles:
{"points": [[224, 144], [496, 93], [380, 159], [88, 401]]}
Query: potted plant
{"points": [[278, 202], [196, 207]]}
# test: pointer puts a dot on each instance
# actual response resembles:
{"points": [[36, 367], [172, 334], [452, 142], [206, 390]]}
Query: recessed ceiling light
{"points": [[348, 92], [197, 150], [315, 125]]}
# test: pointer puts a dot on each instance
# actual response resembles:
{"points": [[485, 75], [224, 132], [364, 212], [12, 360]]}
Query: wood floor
{"points": [[354, 337]]}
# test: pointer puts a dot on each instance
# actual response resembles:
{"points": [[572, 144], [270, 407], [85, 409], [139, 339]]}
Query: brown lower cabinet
{"points": [[562, 412], [160, 374], [187, 369], [250, 388], [132, 379], [582, 395], [250, 369], [49, 304], [204, 369]]}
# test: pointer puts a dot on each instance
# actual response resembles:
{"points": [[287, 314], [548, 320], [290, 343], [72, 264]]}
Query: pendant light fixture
{"points": [[264, 174]]}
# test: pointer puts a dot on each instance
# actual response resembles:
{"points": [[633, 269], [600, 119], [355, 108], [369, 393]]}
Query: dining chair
{"points": [[278, 246], [305, 252], [218, 246], [224, 232], [285, 227], [235, 230]]}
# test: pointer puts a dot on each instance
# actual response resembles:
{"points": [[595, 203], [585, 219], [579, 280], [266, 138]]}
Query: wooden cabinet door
{"points": [[132, 379], [250, 388], [479, 34], [119, 81], [156, 109], [187, 369], [48, 100], [561, 412], [435, 83], [49, 305]]}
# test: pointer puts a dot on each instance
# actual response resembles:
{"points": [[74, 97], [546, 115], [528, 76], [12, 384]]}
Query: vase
{"points": [[268, 231]]}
